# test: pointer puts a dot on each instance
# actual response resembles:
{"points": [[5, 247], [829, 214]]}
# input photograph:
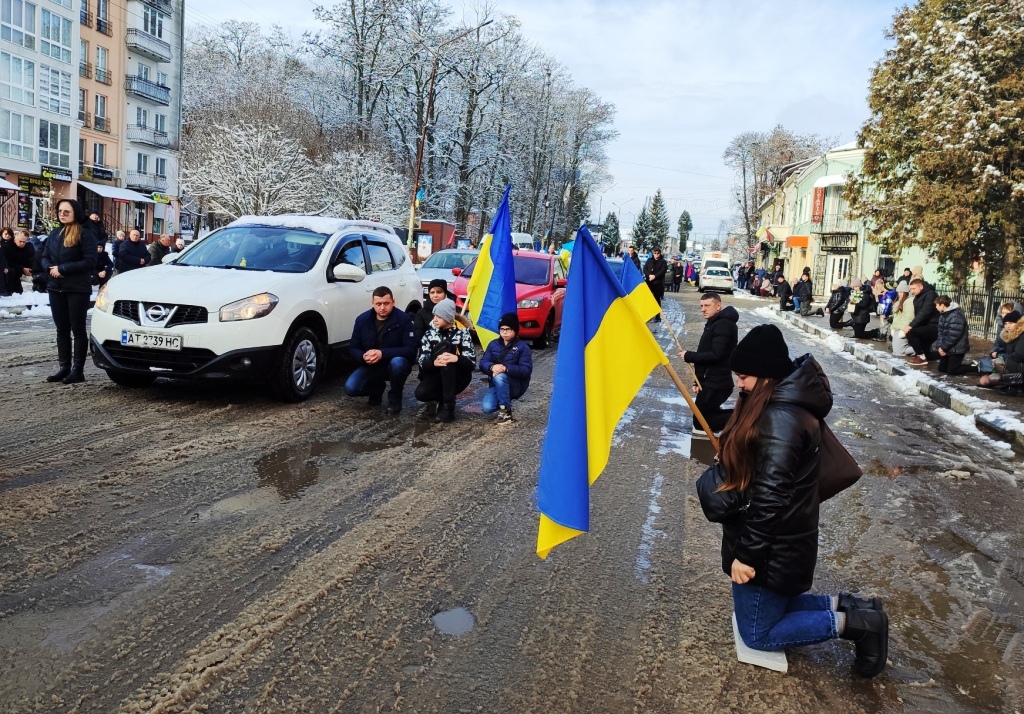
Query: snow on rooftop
{"points": [[328, 225], [845, 147]]}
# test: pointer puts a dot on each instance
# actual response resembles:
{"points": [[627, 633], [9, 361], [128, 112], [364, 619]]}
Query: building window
{"points": [[16, 138], [102, 56], [81, 154], [158, 226], [161, 167], [99, 154], [54, 90], [102, 10], [18, 22], [152, 21], [161, 79], [54, 144], [56, 34], [141, 117], [67, 4], [83, 102], [85, 51], [143, 71], [160, 123], [17, 79], [142, 163]]}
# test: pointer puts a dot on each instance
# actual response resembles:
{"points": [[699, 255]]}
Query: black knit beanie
{"points": [[438, 283], [509, 319], [762, 353]]}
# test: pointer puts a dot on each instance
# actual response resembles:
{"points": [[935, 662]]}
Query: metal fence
{"points": [[980, 306]]}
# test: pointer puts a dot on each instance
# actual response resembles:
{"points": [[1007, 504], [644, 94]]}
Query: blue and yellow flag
{"points": [[637, 291], [605, 354], [492, 287]]}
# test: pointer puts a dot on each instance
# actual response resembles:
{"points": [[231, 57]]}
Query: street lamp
{"points": [[426, 119], [600, 203]]}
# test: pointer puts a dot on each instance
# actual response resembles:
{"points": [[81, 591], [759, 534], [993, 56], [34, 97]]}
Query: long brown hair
{"points": [[72, 232], [899, 307], [741, 438]]}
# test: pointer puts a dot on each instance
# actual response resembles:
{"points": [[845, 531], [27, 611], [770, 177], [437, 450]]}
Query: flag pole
{"points": [[672, 332], [693, 406]]}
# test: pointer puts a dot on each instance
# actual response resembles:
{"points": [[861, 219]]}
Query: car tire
{"points": [[728, 292], [130, 379], [299, 370], [545, 337]]}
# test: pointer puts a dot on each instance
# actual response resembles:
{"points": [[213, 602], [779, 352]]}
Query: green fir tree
{"points": [[684, 227], [611, 235], [659, 222], [642, 231]]}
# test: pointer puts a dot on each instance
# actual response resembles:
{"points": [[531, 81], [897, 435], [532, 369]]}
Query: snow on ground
{"points": [[28, 304], [967, 424]]}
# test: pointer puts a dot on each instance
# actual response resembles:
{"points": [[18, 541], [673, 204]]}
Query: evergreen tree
{"points": [[659, 222], [684, 227], [944, 146], [611, 235], [642, 231]]}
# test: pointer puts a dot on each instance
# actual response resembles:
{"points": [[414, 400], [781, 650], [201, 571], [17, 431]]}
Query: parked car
{"points": [[440, 264], [717, 279], [616, 265], [540, 291], [265, 298]]}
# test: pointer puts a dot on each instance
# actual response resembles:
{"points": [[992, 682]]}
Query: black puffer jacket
{"points": [[75, 263], [924, 308], [804, 291], [777, 533], [711, 359], [953, 335], [865, 306], [838, 302], [130, 254]]}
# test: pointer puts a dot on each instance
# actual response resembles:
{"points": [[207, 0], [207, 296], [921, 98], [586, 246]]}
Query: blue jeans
{"points": [[503, 390], [796, 303], [772, 622], [369, 380]]}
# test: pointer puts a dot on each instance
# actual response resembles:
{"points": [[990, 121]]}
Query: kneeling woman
{"points": [[765, 495]]}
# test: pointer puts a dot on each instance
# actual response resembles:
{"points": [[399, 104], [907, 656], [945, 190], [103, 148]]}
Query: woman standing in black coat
{"points": [[69, 256], [765, 494]]}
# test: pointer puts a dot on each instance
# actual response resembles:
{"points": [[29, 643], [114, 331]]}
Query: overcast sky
{"points": [[685, 76]]}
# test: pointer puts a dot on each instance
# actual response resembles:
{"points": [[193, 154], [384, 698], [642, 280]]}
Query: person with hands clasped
{"points": [[711, 362], [509, 364], [764, 492], [384, 345], [447, 361]]}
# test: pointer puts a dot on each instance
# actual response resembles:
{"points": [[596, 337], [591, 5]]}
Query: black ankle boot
{"points": [[869, 631], [60, 374], [849, 602], [445, 413], [76, 374]]}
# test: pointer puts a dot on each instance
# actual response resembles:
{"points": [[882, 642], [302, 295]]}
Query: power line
{"points": [[678, 171]]}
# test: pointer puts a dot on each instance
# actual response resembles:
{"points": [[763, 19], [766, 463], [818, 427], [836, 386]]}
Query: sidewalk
{"points": [[959, 394]]}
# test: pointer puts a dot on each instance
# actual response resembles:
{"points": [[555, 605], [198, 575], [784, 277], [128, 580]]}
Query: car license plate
{"points": [[151, 340]]}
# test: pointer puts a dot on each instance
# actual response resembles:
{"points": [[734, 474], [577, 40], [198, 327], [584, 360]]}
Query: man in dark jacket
{"points": [[159, 249], [384, 344], [804, 292], [784, 293], [711, 362], [836, 306], [20, 255], [654, 273], [631, 255], [953, 340], [132, 253], [924, 328], [509, 364]]}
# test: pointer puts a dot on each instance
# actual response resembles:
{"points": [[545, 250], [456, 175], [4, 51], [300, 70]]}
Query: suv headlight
{"points": [[102, 300], [248, 308], [528, 303]]}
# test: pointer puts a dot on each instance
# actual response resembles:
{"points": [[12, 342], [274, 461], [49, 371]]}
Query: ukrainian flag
{"points": [[605, 354], [637, 291], [492, 287]]}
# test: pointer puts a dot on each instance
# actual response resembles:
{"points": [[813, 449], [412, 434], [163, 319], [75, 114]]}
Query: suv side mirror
{"points": [[348, 273], [170, 257], [561, 283]]}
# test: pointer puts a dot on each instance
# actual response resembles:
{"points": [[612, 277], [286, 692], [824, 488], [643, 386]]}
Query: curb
{"points": [[949, 399]]}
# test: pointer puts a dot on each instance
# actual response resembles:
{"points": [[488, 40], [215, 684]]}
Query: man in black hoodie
{"points": [[785, 293], [924, 328], [654, 274], [711, 362]]}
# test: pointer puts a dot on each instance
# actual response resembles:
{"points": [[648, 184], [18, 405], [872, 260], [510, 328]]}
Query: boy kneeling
{"points": [[507, 361]]}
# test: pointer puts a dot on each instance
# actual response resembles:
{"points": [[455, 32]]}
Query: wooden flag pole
{"points": [[693, 406], [672, 332]]}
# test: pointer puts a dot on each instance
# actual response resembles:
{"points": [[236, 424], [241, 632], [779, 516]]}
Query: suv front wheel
{"points": [[300, 367]]}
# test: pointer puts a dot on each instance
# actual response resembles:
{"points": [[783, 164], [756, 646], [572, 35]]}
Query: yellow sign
{"points": [[161, 198]]}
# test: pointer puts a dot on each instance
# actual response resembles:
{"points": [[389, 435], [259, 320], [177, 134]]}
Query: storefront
{"points": [[37, 196], [120, 207]]}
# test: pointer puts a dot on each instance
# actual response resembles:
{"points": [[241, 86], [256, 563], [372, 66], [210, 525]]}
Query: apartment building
{"points": [[39, 132]]}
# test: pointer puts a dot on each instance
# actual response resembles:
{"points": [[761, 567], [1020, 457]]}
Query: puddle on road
{"points": [[457, 621], [293, 469]]}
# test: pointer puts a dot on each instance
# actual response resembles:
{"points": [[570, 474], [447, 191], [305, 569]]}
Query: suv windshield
{"points": [[445, 260], [283, 250], [529, 271]]}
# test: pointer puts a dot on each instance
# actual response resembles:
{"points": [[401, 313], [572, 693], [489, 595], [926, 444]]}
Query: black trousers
{"points": [[954, 364], [709, 401], [441, 384], [921, 338], [860, 331], [835, 320], [69, 312]]}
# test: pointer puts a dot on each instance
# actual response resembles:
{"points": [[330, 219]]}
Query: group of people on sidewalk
{"points": [[386, 343]]}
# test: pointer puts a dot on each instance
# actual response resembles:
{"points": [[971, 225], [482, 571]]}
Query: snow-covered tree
{"points": [[365, 185], [642, 231], [250, 169], [659, 222], [611, 235], [944, 147], [683, 228]]}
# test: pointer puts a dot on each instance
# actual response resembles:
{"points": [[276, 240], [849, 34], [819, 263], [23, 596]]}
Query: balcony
{"points": [[103, 75], [148, 45], [102, 124], [147, 182], [152, 137], [85, 17], [103, 25], [163, 6], [147, 90], [85, 118], [85, 70], [835, 223]]}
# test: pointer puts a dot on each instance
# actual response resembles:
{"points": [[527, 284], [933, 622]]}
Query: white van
{"points": [[522, 241]]}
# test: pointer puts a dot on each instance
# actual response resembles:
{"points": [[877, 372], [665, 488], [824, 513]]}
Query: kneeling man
{"points": [[384, 343]]}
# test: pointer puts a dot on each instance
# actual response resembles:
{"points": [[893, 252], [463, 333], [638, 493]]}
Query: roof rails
{"points": [[372, 224]]}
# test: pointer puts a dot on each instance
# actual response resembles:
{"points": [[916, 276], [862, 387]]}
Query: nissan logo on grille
{"points": [[157, 313]]}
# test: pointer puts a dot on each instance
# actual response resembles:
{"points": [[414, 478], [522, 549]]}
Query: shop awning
{"points": [[117, 194], [8, 185], [833, 180], [797, 241]]}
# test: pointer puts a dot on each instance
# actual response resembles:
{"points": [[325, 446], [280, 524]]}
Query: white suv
{"points": [[266, 297]]}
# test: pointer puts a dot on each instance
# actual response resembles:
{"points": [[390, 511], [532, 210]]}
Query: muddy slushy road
{"points": [[201, 548]]}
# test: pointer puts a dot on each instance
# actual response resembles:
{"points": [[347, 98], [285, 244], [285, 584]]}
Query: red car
{"points": [[540, 291]]}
